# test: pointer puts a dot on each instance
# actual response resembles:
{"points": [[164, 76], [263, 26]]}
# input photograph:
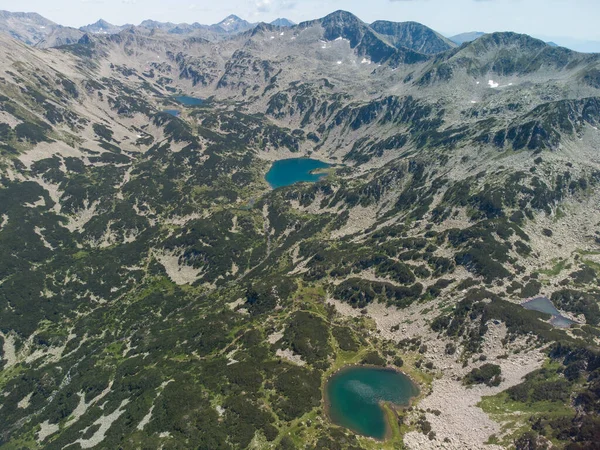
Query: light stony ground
{"points": [[82, 406], [179, 274], [360, 219], [46, 429], [105, 423], [461, 421], [238, 302], [83, 216], [45, 150], [275, 337], [25, 401], [290, 356], [8, 350]]}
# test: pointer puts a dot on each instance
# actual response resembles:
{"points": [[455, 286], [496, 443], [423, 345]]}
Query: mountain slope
{"points": [[344, 25], [27, 27], [413, 35]]}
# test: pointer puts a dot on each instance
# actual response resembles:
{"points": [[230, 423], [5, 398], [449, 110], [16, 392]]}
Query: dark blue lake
{"points": [[354, 396], [295, 170], [189, 101], [545, 305]]}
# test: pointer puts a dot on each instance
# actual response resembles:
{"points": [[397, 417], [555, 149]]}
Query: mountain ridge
{"points": [[413, 35]]}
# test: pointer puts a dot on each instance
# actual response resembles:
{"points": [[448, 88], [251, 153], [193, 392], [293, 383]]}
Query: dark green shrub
{"points": [[488, 374]]}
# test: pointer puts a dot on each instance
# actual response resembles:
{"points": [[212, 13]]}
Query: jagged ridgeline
{"points": [[156, 293]]}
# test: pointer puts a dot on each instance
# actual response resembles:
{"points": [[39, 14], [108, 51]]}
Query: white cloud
{"points": [[274, 5]]}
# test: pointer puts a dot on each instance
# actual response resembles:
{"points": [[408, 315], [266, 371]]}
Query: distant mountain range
{"points": [[232, 24], [573, 44], [35, 30], [466, 37], [103, 27]]}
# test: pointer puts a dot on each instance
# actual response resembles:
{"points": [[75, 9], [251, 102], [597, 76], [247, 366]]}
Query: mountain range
{"points": [[157, 292], [34, 29], [466, 37]]}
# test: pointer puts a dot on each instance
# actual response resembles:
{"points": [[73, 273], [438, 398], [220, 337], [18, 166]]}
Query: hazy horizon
{"points": [[569, 23]]}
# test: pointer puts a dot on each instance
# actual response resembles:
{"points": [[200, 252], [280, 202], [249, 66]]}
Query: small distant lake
{"points": [[544, 305], [173, 112], [294, 170], [189, 101], [354, 395], [184, 100]]}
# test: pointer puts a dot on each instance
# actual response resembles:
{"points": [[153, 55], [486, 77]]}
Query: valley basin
{"points": [[354, 398]]}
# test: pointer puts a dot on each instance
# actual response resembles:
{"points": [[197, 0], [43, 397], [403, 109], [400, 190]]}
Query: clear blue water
{"points": [[543, 304], [295, 170], [173, 112], [354, 397], [189, 101]]}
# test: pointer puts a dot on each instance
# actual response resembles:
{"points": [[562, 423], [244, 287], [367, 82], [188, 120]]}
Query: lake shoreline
{"points": [[544, 305], [289, 171], [393, 406]]}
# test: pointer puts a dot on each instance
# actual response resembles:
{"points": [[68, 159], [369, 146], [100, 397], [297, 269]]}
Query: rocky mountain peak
{"points": [[103, 23], [283, 22], [341, 24], [101, 26], [233, 24]]}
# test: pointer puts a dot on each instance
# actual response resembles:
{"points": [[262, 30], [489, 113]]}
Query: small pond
{"points": [[189, 101], [173, 112], [294, 170], [544, 305], [354, 396]]}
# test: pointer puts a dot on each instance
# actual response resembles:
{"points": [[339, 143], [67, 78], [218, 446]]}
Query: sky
{"points": [[560, 20]]}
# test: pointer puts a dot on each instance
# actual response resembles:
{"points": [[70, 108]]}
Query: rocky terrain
{"points": [[155, 292]]}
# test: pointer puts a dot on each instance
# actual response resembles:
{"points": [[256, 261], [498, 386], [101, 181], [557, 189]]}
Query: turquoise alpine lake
{"points": [[294, 170], [189, 101], [354, 397]]}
